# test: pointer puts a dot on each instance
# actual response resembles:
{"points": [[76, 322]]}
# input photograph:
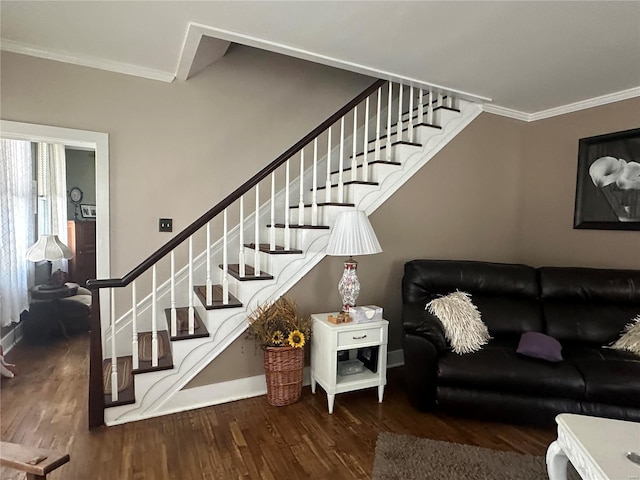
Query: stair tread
{"points": [[350, 182], [393, 144], [249, 273], [216, 297], [165, 362], [325, 204], [279, 250], [374, 162], [309, 227], [182, 314], [126, 395]]}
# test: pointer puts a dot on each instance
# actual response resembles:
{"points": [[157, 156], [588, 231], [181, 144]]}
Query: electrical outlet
{"points": [[166, 225]]}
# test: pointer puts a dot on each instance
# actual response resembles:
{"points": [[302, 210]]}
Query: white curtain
{"points": [[52, 194], [16, 228]]}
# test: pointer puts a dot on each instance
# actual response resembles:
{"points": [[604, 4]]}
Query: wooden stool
{"points": [[37, 462]]}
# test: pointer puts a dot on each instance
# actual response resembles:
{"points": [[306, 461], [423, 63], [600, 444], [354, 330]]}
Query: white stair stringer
{"points": [[157, 393]]}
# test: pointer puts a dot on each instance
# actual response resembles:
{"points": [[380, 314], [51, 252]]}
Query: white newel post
{"points": [[114, 358], [134, 326], [154, 317]]}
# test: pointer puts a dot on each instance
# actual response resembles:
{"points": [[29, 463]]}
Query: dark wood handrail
{"points": [[230, 199]]}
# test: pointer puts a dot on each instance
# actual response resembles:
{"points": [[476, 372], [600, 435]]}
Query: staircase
{"points": [[280, 225]]}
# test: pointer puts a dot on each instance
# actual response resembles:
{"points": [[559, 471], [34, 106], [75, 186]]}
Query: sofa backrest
{"points": [[588, 304], [506, 294]]}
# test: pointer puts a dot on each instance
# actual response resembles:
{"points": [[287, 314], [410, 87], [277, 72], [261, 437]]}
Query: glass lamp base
{"points": [[349, 286]]}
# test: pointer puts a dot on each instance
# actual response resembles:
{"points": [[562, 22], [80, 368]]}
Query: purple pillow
{"points": [[539, 345]]}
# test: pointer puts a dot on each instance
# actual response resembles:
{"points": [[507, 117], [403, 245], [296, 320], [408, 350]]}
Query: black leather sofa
{"points": [[585, 309]]}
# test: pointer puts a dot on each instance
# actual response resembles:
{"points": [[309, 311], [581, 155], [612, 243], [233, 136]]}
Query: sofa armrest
{"points": [[419, 322]]}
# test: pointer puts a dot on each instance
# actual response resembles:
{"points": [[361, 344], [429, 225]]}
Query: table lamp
{"points": [[352, 235], [50, 248]]}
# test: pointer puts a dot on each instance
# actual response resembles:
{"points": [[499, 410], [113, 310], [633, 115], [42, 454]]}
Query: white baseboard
{"points": [[11, 339], [230, 391]]}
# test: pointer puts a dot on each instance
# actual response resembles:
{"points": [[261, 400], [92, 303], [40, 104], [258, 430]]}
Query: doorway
{"points": [[80, 140]]}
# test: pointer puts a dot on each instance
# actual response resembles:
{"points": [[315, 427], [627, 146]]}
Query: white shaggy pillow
{"points": [[630, 339], [461, 320]]}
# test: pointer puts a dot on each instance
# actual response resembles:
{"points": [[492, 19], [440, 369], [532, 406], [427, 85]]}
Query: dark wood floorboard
{"points": [[45, 406]]}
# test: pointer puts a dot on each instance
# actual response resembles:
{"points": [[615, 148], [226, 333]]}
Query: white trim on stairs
{"points": [[233, 390]]}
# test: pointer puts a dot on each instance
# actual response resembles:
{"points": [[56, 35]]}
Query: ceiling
{"points": [[527, 57]]}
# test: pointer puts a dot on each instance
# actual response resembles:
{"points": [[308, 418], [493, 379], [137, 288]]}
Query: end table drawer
{"points": [[358, 337]]}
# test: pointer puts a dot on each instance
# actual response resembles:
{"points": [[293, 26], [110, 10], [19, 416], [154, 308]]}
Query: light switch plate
{"points": [[166, 225]]}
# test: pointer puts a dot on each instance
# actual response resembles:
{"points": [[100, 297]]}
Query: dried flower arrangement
{"points": [[278, 324]]}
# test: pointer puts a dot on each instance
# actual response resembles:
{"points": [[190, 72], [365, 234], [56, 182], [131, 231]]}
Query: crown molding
{"points": [[506, 112], [584, 104], [118, 67], [563, 109]]}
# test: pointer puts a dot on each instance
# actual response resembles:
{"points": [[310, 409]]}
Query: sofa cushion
{"points": [[629, 341], [587, 304], [611, 376], [505, 294], [461, 320], [539, 345], [497, 367]]}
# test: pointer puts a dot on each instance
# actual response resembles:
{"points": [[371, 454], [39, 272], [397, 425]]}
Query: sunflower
{"points": [[277, 337], [296, 339]]}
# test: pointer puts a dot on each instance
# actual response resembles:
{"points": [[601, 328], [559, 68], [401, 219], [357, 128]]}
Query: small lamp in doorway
{"points": [[50, 248], [352, 235]]}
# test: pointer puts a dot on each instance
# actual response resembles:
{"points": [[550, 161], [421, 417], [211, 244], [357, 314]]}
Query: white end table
{"points": [[596, 447], [328, 339]]}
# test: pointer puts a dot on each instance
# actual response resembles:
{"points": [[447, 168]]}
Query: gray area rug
{"points": [[406, 457]]}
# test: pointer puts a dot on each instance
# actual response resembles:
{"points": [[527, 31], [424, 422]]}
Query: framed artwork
{"points": [[88, 211], [608, 184]]}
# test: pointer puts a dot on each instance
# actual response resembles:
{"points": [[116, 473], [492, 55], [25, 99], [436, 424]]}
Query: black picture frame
{"points": [[601, 203], [88, 211]]}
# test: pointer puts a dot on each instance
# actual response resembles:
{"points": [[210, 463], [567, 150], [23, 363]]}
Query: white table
{"points": [[596, 448], [328, 339]]}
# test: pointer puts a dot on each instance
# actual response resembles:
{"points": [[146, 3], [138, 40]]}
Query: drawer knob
{"points": [[360, 337]]}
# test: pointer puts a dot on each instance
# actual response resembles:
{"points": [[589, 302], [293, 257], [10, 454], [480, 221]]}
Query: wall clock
{"points": [[75, 197]]}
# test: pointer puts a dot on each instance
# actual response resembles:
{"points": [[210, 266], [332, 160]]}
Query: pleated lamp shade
{"points": [[48, 247], [353, 235]]}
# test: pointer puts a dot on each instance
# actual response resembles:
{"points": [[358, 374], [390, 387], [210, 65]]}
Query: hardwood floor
{"points": [[45, 406]]}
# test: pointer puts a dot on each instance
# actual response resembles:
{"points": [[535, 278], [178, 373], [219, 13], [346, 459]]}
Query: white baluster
{"points": [[287, 230], [389, 106], [411, 113], [314, 192], [354, 164], [174, 312], [272, 228], [134, 327], [430, 108], [450, 100], [301, 202], [225, 260], [192, 320], [154, 317], [209, 284], [421, 107], [365, 162], [399, 127], [241, 260], [328, 182], [256, 252], [440, 99], [114, 358], [341, 163], [378, 124]]}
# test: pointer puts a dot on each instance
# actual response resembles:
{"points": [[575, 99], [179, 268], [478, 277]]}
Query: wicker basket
{"points": [[283, 368]]}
